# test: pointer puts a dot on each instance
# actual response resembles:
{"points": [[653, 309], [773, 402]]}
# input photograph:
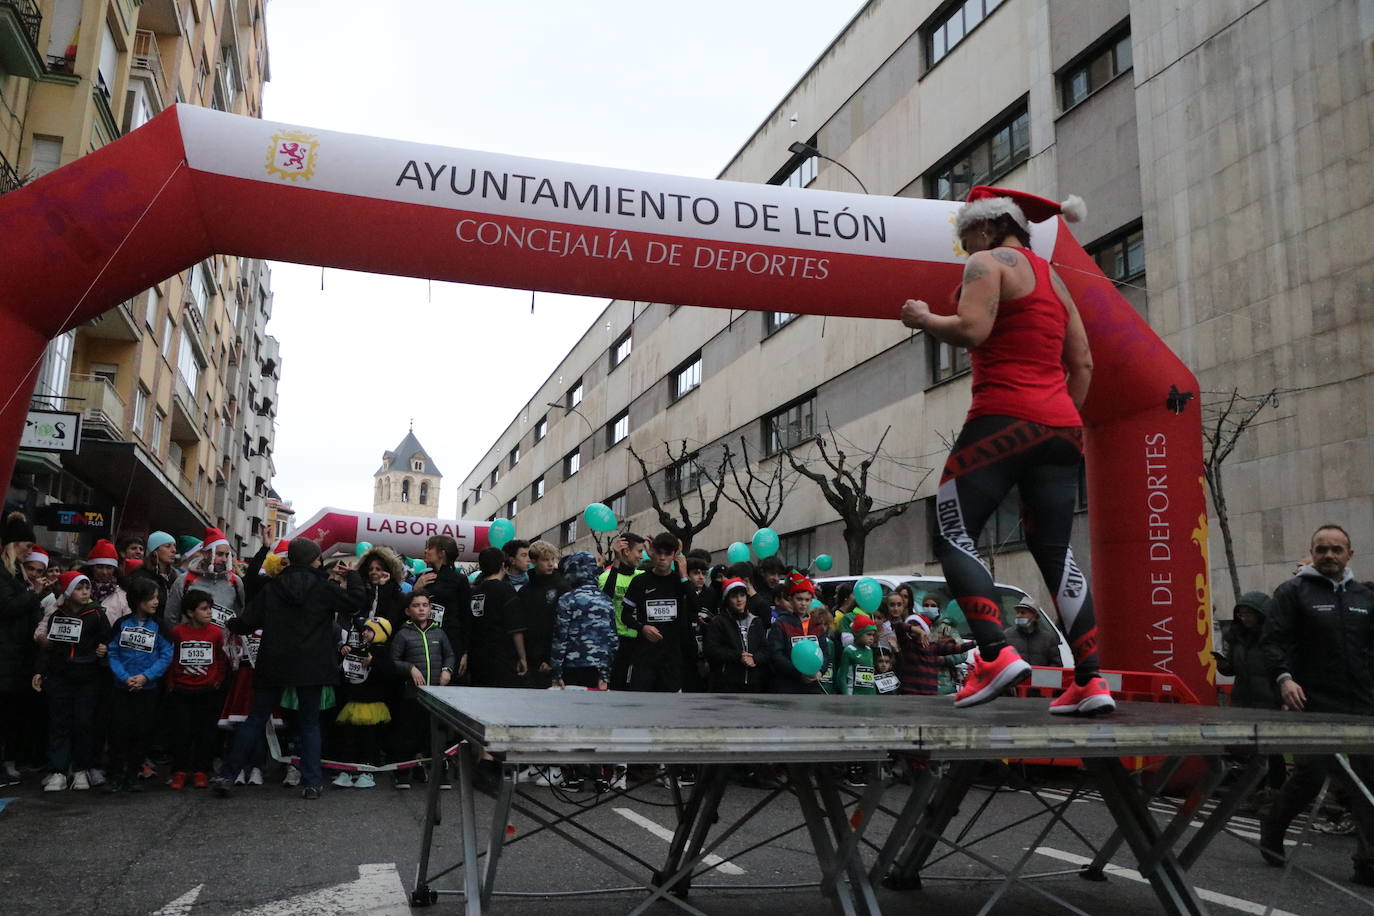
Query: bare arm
{"points": [[979, 298], [1078, 357]]}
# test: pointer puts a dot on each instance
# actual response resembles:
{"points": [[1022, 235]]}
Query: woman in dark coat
{"points": [[1253, 688], [20, 611]]}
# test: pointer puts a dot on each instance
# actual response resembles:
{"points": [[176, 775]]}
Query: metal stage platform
{"points": [[808, 734]]}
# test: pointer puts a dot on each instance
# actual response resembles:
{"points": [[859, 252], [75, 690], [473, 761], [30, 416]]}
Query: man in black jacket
{"points": [[1317, 643], [301, 614], [450, 595], [661, 609]]}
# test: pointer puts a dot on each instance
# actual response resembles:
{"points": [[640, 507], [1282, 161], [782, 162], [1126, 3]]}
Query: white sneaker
{"points": [[620, 781], [55, 782], [293, 777], [549, 778], [11, 771], [255, 777], [240, 779], [527, 774], [97, 777], [343, 781], [80, 781], [365, 781]]}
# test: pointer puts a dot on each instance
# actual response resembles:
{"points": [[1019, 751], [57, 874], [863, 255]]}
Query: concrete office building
{"points": [[1223, 149], [177, 387]]}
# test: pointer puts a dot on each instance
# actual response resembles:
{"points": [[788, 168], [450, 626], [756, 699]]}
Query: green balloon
{"points": [[824, 562], [765, 542], [868, 594], [807, 657], [600, 518], [738, 552], [501, 531], [644, 555], [362, 548]]}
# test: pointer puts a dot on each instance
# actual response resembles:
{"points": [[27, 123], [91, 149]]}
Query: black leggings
{"points": [[991, 455]]}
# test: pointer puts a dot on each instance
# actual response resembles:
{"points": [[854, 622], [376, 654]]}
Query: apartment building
{"points": [[176, 388], [1223, 148]]}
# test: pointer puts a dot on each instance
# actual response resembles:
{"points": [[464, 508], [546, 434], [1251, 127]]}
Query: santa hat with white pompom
{"points": [[986, 203]]}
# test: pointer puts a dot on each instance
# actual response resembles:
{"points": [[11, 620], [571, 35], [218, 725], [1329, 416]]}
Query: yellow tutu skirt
{"points": [[363, 714]]}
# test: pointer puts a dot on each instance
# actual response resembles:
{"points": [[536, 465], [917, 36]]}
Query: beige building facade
{"points": [[1223, 149], [177, 387]]}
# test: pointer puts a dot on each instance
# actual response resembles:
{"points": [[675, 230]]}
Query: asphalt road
{"points": [[267, 851]]}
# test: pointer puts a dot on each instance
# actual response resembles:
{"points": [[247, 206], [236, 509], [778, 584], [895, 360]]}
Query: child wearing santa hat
{"points": [[923, 656], [107, 588], [211, 571], [69, 674]]}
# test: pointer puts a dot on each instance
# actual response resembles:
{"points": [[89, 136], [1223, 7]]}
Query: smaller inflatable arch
{"points": [[193, 182]]}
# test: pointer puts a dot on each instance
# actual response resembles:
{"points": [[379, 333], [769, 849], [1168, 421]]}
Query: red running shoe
{"points": [[201, 781], [1091, 699], [988, 680], [178, 781]]}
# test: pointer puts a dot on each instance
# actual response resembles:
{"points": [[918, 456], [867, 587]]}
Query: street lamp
{"points": [[799, 148], [568, 408]]}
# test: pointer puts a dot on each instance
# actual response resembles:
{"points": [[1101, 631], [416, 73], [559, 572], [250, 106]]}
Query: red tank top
{"points": [[1019, 370]]}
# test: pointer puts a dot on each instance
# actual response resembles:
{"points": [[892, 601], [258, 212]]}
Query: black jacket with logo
{"points": [[670, 605], [1320, 632]]}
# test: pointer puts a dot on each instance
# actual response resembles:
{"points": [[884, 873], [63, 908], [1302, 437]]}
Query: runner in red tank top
{"points": [[1031, 371]]}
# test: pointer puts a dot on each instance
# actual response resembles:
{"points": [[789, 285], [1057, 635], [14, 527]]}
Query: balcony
{"points": [[9, 178], [102, 409], [118, 323], [20, 22], [106, 125], [146, 64], [185, 418]]}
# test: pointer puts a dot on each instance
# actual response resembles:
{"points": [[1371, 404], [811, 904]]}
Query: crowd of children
{"points": [[142, 653]]}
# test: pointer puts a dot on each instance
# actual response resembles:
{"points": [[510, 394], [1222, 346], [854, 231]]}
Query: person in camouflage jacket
{"points": [[584, 640]]}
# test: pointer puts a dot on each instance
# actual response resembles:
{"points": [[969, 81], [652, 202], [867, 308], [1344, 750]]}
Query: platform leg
{"points": [[921, 790], [1096, 870], [931, 823], [1130, 808], [1255, 771], [847, 836], [473, 893], [496, 841], [422, 895]]}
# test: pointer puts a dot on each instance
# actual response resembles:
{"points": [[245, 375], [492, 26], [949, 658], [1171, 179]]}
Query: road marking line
{"points": [[724, 866], [378, 891], [1226, 900], [182, 905]]}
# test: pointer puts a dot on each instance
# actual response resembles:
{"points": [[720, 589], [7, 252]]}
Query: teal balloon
{"points": [[738, 552], [955, 615], [817, 604], [765, 542], [362, 548], [644, 555], [418, 566], [868, 594], [807, 657], [824, 563], [599, 518], [501, 531]]}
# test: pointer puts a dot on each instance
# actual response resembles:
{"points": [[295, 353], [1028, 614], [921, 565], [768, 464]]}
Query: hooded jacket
{"points": [[427, 649], [20, 611], [300, 613], [584, 630], [385, 601], [724, 643], [132, 652], [1245, 661], [1319, 632], [538, 604], [785, 632]]}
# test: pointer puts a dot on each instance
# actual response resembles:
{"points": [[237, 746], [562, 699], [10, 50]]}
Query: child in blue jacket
{"points": [[139, 654]]}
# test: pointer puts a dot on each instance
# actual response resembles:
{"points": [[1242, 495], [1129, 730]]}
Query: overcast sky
{"points": [[675, 88]]}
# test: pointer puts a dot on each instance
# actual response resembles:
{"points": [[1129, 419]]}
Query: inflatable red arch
{"points": [[194, 182]]}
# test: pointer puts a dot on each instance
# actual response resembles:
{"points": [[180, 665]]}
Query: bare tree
{"points": [[688, 522], [760, 495], [845, 487], [1234, 414]]}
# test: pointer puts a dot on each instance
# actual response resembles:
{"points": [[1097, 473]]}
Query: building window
{"points": [[515, 456], [155, 439], [167, 330], [153, 301], [687, 377], [790, 426], [405, 490], [188, 364], [682, 477], [541, 429], [801, 174], [951, 26], [424, 492], [575, 394], [464, 511], [1121, 255], [946, 360], [1097, 68], [567, 532], [199, 284], [512, 507], [772, 321], [798, 548], [618, 428], [617, 505], [620, 350], [417, 465], [572, 463], [140, 409], [537, 490], [495, 475], [994, 152]]}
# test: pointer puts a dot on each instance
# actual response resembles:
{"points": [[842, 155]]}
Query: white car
{"points": [[1008, 597]]}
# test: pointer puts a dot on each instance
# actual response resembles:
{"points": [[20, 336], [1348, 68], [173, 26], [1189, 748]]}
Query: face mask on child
{"points": [[930, 613], [1023, 623]]}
